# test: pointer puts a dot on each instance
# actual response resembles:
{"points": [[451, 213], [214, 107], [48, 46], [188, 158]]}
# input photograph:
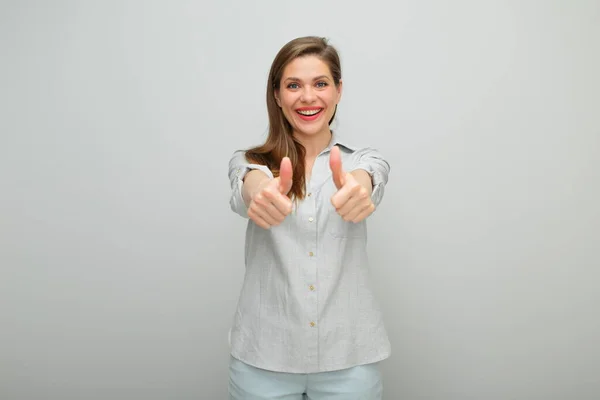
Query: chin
{"points": [[308, 129], [311, 131]]}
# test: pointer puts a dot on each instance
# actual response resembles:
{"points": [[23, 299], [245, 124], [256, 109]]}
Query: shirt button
{"points": [[311, 287], [311, 219], [310, 253], [312, 324]]}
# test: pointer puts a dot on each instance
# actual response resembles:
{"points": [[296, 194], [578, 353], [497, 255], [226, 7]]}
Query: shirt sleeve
{"points": [[238, 168], [374, 163]]}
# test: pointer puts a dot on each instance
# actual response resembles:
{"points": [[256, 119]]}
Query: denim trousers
{"points": [[363, 382]]}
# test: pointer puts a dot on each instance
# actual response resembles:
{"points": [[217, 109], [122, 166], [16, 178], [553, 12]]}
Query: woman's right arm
{"points": [[241, 172], [252, 183], [256, 194]]}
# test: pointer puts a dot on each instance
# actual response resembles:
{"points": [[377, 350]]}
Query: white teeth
{"points": [[311, 112]]}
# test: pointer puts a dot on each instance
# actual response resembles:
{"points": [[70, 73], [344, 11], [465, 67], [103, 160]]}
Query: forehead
{"points": [[306, 67]]}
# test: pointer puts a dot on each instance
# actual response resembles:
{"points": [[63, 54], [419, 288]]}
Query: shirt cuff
{"points": [[378, 181], [237, 199]]}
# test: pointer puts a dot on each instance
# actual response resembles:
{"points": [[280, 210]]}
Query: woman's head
{"points": [[304, 88]]}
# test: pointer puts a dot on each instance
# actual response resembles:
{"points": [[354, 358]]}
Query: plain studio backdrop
{"points": [[121, 262]]}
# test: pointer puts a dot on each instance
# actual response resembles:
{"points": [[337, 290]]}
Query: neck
{"points": [[314, 144]]}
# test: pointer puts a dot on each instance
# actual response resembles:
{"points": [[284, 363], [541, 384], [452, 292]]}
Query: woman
{"points": [[307, 321]]}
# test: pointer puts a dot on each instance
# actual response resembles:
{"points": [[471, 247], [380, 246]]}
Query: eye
{"points": [[293, 86], [321, 84]]}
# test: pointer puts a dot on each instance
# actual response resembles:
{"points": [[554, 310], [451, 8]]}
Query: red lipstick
{"points": [[312, 115]]}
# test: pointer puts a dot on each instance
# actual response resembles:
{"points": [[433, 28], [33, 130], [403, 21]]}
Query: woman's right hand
{"points": [[270, 204]]}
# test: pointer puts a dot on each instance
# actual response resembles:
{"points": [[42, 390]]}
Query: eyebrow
{"points": [[293, 78]]}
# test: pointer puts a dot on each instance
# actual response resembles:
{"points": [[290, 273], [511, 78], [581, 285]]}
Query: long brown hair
{"points": [[280, 141]]}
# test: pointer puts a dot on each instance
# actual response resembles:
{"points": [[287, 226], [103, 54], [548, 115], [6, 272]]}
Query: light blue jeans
{"points": [[246, 382]]}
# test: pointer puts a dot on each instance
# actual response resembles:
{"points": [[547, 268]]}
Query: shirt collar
{"points": [[336, 141]]}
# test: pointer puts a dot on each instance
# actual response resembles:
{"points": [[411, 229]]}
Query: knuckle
{"points": [[262, 203], [271, 190], [258, 198], [268, 193]]}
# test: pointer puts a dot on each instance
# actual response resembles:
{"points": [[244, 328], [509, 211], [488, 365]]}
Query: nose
{"points": [[308, 95]]}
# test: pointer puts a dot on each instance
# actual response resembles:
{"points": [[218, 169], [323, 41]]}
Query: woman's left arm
{"points": [[364, 179], [359, 190], [371, 171]]}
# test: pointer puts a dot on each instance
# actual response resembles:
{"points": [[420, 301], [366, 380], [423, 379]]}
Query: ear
{"points": [[276, 94], [339, 91]]}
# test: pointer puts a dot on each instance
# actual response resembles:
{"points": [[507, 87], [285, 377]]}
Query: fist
{"points": [[352, 201], [270, 204]]}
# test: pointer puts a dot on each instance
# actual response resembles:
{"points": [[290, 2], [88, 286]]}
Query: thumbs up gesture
{"points": [[352, 200], [270, 203]]}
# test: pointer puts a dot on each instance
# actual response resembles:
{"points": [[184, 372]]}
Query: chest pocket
{"points": [[335, 226], [340, 229]]}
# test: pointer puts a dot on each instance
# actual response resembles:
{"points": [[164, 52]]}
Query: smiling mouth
{"points": [[309, 113]]}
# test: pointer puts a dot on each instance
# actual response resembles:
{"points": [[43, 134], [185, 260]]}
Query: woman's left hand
{"points": [[352, 201]]}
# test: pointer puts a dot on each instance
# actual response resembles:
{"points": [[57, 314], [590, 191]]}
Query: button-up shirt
{"points": [[307, 304]]}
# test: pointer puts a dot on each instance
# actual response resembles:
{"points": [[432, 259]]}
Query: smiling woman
{"points": [[305, 76], [309, 94], [307, 321]]}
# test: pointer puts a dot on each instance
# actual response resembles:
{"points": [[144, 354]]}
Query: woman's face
{"points": [[308, 96]]}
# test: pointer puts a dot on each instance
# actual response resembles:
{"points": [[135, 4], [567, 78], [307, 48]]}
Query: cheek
{"points": [[332, 98], [287, 103], [287, 109]]}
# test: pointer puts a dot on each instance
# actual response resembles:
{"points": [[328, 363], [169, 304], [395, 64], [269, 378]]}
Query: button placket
{"points": [[310, 227]]}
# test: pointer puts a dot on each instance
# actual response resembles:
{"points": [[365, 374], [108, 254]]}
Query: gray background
{"points": [[121, 261]]}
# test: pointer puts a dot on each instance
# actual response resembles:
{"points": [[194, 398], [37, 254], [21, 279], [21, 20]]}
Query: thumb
{"points": [[285, 176], [335, 163]]}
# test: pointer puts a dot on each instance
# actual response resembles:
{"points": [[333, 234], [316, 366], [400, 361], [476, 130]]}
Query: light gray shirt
{"points": [[307, 304]]}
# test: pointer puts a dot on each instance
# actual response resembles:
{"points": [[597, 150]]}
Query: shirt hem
{"points": [[309, 370]]}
